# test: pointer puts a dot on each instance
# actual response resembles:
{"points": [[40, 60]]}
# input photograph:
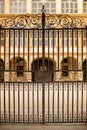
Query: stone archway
{"points": [[37, 72]]}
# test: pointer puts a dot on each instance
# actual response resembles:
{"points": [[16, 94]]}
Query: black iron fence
{"points": [[24, 57], [43, 75], [63, 102]]}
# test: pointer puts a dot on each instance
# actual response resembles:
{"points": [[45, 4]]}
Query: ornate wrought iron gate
{"points": [[43, 72]]}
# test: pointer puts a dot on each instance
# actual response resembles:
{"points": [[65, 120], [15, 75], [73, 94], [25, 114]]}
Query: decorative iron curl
{"points": [[65, 21], [34, 21], [21, 21]]}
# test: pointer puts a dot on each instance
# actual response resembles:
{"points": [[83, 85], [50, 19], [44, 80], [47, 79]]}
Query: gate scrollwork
{"points": [[34, 21]]}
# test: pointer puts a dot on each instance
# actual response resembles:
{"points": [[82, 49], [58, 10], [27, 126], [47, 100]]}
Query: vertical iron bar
{"points": [[86, 73], [86, 104], [53, 70], [0, 82], [58, 47], [43, 64], [72, 64], [58, 102], [19, 116], [28, 66], [49, 34], [9, 69], [38, 47], [72, 101], [39, 31], [68, 102], [33, 83], [63, 102], [68, 44], [77, 99], [38, 83], [24, 65], [14, 71], [9, 100], [23, 101], [0, 40], [59, 33], [14, 51], [4, 71], [4, 88], [37, 102], [63, 33], [4, 46], [82, 34], [28, 47], [0, 103], [4, 105], [82, 103], [48, 70], [18, 35], [28, 103], [14, 100], [77, 71], [18, 102]]}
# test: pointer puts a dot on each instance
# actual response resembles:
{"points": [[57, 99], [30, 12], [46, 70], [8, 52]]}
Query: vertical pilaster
{"points": [[80, 6], [7, 6], [29, 6], [58, 6]]}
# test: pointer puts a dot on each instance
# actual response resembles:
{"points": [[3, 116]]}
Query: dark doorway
{"points": [[37, 70]]}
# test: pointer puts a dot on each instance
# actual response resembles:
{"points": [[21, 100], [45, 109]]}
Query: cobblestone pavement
{"points": [[43, 127]]}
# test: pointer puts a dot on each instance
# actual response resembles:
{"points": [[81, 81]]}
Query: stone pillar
{"points": [[80, 6], [58, 6], [29, 6], [7, 6]]}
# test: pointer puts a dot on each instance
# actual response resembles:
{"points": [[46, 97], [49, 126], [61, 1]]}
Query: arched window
{"points": [[20, 67], [65, 67], [85, 70], [37, 70], [50, 6], [2, 67], [68, 64], [69, 6]]}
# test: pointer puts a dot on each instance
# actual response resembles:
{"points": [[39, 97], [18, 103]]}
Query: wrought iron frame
{"points": [[44, 21]]}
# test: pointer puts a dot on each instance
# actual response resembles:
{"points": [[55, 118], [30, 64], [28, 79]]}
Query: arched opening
{"points": [[2, 67], [65, 67], [68, 64], [17, 67], [85, 70], [20, 67], [37, 70]]}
